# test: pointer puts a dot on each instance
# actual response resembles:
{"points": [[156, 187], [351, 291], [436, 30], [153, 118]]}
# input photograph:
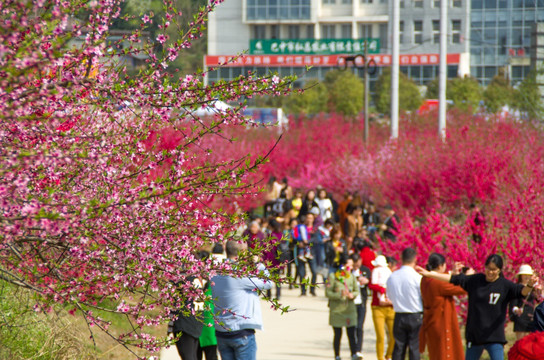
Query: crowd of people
{"points": [[413, 308]]}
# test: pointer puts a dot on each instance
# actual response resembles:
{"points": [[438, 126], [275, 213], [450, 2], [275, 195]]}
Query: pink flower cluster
{"points": [[107, 185]]}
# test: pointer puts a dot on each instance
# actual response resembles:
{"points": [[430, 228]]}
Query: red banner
{"points": [[320, 60]]}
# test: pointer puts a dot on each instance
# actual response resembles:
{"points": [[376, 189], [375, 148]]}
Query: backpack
{"points": [[281, 206]]}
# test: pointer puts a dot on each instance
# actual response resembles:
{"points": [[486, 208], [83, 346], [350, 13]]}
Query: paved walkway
{"points": [[301, 334]]}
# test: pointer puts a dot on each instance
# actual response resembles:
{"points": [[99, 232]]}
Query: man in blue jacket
{"points": [[237, 310]]}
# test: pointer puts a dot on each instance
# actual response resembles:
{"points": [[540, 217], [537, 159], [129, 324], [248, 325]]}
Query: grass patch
{"points": [[26, 334], [57, 335]]}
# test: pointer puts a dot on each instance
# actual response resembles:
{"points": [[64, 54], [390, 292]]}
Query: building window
{"points": [[294, 32], [418, 32], [368, 1], [310, 31], [456, 31], [326, 2], [384, 37], [401, 31], [436, 31], [274, 32], [279, 10], [328, 31], [456, 3], [365, 31], [436, 4], [259, 32], [346, 1], [418, 3], [346, 31]]}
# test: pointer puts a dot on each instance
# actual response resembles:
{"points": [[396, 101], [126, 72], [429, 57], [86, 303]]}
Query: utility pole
{"points": [[395, 70], [366, 81], [369, 68], [442, 70]]}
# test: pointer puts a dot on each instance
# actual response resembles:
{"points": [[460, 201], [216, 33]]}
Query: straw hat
{"points": [[525, 270], [380, 261]]}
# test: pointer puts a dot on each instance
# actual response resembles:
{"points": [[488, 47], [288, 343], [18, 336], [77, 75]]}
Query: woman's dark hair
{"points": [[495, 259], [342, 260], [203, 254], [435, 260], [352, 207], [391, 261], [355, 257], [275, 225], [335, 230]]}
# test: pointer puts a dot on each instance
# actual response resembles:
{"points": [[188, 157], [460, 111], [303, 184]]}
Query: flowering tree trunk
{"points": [[106, 186]]}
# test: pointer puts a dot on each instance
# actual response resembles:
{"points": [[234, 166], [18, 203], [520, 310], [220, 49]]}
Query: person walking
{"points": [[403, 288], [342, 289], [522, 310], [488, 297], [354, 223], [237, 310], [362, 274], [382, 309], [325, 205], [253, 235], [302, 235], [440, 330], [390, 223], [187, 327]]}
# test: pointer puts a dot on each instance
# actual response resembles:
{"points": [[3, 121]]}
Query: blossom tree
{"points": [[107, 189]]}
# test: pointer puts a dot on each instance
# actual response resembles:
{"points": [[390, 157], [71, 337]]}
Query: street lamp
{"points": [[369, 67]]}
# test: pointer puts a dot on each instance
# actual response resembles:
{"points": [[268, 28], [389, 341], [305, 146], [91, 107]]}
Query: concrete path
{"points": [[301, 334]]}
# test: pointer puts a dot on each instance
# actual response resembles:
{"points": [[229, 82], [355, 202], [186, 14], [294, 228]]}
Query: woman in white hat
{"points": [[382, 308], [522, 310]]}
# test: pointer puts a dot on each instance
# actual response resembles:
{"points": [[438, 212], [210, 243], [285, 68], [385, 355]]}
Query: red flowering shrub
{"points": [[496, 163]]}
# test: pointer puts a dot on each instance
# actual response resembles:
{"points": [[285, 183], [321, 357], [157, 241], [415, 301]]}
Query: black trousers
{"points": [[361, 314], [209, 351], [406, 333], [338, 337], [187, 347]]}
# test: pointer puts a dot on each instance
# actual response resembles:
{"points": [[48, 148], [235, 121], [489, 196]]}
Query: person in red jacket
{"points": [[367, 254]]}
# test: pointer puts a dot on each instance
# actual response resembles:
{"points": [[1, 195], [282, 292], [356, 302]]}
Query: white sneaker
{"points": [[358, 356]]}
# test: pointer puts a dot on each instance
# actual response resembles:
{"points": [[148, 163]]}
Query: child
{"points": [[296, 204], [302, 237]]}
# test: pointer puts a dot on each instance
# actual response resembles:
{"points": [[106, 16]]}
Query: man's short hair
{"points": [[408, 255], [233, 248], [217, 248]]}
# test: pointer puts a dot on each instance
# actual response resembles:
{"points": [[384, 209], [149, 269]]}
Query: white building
{"points": [[285, 36]]}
